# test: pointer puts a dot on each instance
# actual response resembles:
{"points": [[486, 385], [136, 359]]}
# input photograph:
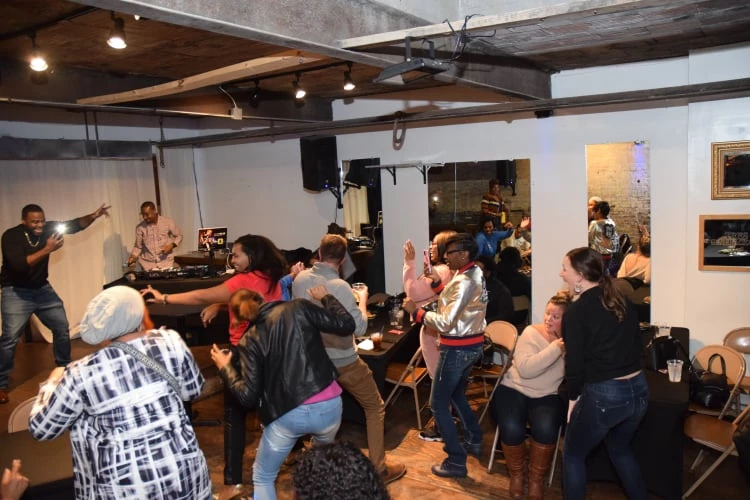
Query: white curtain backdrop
{"points": [[66, 189], [178, 195], [355, 206]]}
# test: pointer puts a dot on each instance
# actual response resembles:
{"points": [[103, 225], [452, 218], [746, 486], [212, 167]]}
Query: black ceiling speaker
{"points": [[506, 173], [359, 175], [320, 168]]}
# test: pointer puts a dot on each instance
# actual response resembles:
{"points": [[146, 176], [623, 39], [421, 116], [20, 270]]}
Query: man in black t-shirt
{"points": [[25, 290]]}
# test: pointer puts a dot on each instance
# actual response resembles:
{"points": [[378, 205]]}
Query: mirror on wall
{"points": [[619, 175], [363, 208], [462, 199]]}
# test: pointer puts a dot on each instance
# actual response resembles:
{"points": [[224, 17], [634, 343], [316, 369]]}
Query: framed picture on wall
{"points": [[730, 172], [724, 243]]}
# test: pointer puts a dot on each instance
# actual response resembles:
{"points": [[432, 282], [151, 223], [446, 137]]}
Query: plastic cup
{"points": [[674, 369], [397, 317], [377, 340], [359, 289]]}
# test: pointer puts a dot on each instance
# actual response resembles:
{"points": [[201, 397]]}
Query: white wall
{"points": [[257, 188], [708, 303], [715, 301]]}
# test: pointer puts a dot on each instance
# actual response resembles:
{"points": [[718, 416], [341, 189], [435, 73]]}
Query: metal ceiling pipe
{"points": [[131, 110], [666, 96]]}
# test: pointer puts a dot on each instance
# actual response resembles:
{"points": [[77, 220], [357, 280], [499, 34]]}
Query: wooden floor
{"points": [[34, 361]]}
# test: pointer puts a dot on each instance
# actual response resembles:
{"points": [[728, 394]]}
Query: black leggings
{"points": [[235, 416]]}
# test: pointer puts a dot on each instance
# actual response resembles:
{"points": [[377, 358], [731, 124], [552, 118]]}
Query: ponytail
{"points": [[588, 263], [612, 299], [245, 305]]}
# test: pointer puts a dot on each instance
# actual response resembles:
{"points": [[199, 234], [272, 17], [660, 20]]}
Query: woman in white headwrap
{"points": [[130, 434]]}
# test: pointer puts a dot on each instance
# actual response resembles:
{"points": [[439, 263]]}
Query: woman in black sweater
{"points": [[607, 390]]}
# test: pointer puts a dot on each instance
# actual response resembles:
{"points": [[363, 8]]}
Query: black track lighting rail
{"points": [[47, 24]]}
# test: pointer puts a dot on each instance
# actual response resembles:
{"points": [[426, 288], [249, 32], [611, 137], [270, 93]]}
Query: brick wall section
{"points": [[619, 174], [466, 190]]}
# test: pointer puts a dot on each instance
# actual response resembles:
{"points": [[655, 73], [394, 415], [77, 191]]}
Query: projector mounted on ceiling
{"points": [[430, 65]]}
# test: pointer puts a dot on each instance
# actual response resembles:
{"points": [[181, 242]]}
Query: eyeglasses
{"points": [[454, 251]]}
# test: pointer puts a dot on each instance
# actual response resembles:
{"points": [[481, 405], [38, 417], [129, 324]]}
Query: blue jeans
{"points": [[321, 419], [608, 411], [513, 411], [18, 304], [449, 388]]}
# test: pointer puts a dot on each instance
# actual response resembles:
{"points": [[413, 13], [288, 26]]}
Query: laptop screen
{"points": [[215, 237]]}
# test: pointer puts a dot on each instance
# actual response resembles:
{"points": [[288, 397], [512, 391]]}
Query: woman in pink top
{"points": [[419, 289], [258, 266]]}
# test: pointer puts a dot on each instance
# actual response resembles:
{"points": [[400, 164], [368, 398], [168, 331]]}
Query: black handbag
{"points": [[710, 389]]}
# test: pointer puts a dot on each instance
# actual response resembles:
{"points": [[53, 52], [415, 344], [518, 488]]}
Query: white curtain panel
{"points": [[355, 206], [66, 189], [178, 194]]}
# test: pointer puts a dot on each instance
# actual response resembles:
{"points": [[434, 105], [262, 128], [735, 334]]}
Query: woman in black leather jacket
{"points": [[285, 374]]}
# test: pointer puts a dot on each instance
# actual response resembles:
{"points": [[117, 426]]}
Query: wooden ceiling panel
{"points": [[154, 49], [643, 31]]}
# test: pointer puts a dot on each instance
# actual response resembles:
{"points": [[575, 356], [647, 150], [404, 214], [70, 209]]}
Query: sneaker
{"points": [[447, 469], [392, 472], [431, 434], [474, 449]]}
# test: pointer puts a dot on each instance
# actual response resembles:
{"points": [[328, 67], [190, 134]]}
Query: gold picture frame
{"points": [[724, 243], [730, 172]]}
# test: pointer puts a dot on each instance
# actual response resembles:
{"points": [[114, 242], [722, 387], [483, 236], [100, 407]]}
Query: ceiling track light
{"points": [[116, 38], [255, 96], [37, 61], [299, 92], [348, 82]]}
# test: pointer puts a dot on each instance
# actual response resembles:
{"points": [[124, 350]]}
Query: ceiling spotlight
{"points": [[255, 96], [299, 92], [348, 82], [37, 62], [116, 38]]}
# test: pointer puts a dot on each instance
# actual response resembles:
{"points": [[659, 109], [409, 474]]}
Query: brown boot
{"points": [[515, 461], [540, 458]]}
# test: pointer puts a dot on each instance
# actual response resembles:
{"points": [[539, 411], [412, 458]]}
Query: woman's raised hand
{"points": [[409, 252]]}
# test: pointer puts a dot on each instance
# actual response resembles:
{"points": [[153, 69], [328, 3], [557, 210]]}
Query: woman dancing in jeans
{"points": [[285, 373], [607, 390], [459, 318]]}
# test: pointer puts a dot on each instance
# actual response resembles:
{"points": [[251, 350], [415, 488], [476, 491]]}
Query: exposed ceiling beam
{"points": [[246, 69], [313, 26], [667, 96], [491, 22]]}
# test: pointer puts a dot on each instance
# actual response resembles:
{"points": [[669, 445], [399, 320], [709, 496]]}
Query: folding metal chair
{"points": [[504, 335], [407, 375], [715, 433]]}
